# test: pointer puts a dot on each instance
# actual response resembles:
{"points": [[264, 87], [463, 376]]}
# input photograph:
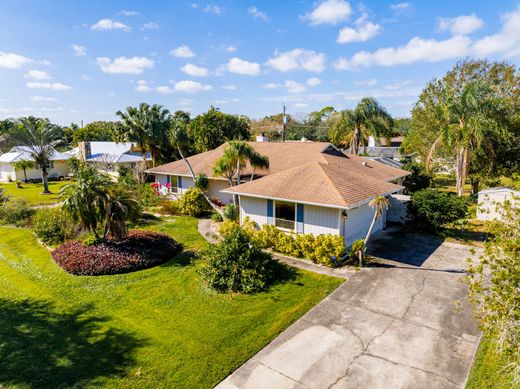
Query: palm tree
{"points": [[147, 125], [379, 204], [121, 207], [179, 139], [368, 118], [465, 120], [24, 164], [40, 137]]}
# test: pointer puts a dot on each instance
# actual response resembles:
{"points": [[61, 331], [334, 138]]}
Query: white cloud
{"points": [[142, 86], [257, 14], [300, 105], [460, 25], [183, 51], [506, 41], [231, 49], [150, 26], [229, 87], [369, 82], [397, 85], [271, 85], [399, 6], [227, 101], [363, 31], [128, 13], [212, 9], [298, 59], [313, 81], [194, 70], [48, 85], [289, 85], [329, 12], [189, 86], [185, 102], [240, 66], [41, 98], [79, 51], [13, 61], [165, 90], [37, 75], [44, 62], [108, 24], [124, 65]]}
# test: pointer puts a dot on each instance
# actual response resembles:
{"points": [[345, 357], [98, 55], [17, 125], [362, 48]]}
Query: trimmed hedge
{"points": [[140, 250]]}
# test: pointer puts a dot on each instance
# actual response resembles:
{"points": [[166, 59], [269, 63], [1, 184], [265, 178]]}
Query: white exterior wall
{"points": [[487, 203], [320, 220], [254, 208], [215, 187], [7, 172], [358, 222], [60, 168], [398, 209]]}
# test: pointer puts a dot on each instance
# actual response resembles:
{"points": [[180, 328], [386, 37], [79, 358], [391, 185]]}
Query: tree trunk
{"points": [[461, 169], [44, 179], [235, 197], [475, 184], [370, 228], [355, 141], [214, 206], [25, 174]]}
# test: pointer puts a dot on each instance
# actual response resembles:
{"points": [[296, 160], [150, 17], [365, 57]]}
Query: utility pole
{"points": [[284, 122]]}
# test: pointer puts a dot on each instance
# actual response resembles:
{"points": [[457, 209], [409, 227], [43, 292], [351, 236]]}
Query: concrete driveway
{"points": [[392, 326]]}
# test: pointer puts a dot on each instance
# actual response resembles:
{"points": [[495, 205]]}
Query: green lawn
{"points": [[487, 371], [153, 328], [33, 192]]}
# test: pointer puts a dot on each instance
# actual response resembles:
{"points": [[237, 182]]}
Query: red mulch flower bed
{"points": [[140, 250]]}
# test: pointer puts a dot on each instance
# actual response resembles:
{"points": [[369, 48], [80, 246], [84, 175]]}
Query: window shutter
{"points": [[179, 181], [299, 218], [270, 219], [168, 179]]}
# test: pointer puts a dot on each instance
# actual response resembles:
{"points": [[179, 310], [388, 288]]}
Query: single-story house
{"points": [[489, 199], [109, 156], [310, 187], [58, 165]]}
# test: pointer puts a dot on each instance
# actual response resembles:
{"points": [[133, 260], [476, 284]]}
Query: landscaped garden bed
{"points": [[140, 250]]}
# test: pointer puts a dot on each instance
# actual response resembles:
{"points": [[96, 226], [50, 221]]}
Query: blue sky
{"points": [[84, 60]]}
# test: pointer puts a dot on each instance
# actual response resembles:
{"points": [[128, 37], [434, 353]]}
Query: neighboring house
{"points": [[310, 187], [58, 166], [109, 156], [379, 148], [489, 199]]}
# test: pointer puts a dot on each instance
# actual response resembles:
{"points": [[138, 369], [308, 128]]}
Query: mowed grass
{"points": [[33, 192], [154, 328], [488, 371]]}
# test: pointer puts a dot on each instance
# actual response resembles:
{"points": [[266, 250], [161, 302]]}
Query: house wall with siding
{"points": [[214, 186], [60, 168], [358, 222], [320, 220], [7, 172], [254, 208]]}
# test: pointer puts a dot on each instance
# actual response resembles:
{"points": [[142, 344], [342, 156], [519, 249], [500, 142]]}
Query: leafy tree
{"points": [[495, 285], [40, 137], [353, 127], [401, 126], [194, 203], [101, 131], [24, 165], [6, 127], [213, 128], [433, 210], [418, 179]]}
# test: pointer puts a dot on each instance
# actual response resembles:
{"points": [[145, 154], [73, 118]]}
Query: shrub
{"points": [[139, 250], [356, 250], [146, 195], [193, 203], [169, 207], [52, 226], [216, 217], [432, 210], [231, 212], [227, 227], [237, 264], [418, 179], [16, 212]]}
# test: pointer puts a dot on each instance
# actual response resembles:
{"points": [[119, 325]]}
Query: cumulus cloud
{"points": [[41, 98], [194, 70], [212, 9], [240, 66], [231, 49], [150, 26], [257, 14], [289, 85], [232, 100], [128, 13], [363, 32], [37, 75], [399, 6], [109, 24], [12, 60], [369, 82], [79, 51], [298, 59], [506, 41], [124, 65], [229, 87], [313, 81], [461, 25], [143, 87], [329, 12], [58, 86], [183, 51], [189, 86]]}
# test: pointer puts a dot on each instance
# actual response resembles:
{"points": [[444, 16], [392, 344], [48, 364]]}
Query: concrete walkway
{"points": [[394, 326]]}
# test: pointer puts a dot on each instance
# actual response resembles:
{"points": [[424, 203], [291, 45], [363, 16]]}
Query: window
{"points": [[285, 215]]}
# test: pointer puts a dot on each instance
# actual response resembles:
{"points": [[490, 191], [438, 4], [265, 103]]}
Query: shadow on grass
{"points": [[284, 273], [184, 258], [42, 347]]}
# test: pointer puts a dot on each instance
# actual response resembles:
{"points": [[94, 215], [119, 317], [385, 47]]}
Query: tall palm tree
{"points": [[23, 165], [40, 137], [179, 139], [465, 118], [147, 125], [368, 118], [379, 205]]}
